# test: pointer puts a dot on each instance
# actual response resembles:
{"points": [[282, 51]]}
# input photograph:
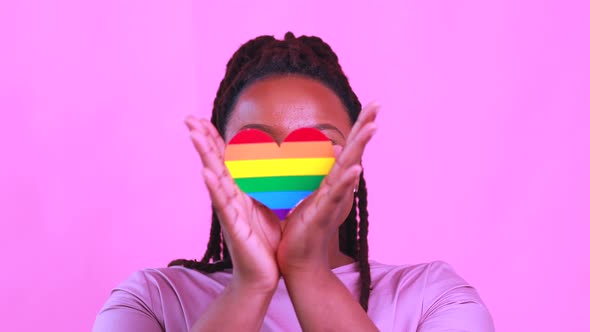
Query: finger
{"points": [[326, 201], [209, 157], [191, 122], [207, 129], [224, 197], [345, 185], [213, 134], [351, 155], [353, 150], [368, 114], [236, 226], [220, 198], [366, 121]]}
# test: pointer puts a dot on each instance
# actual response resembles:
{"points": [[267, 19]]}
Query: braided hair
{"points": [[308, 56]]}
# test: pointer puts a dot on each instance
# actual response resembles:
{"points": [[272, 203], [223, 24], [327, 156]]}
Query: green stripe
{"points": [[280, 183]]}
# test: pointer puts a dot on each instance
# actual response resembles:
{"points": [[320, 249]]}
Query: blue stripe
{"points": [[280, 199]]}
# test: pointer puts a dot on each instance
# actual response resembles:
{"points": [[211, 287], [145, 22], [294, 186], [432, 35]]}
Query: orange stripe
{"points": [[251, 151], [254, 151], [307, 149]]}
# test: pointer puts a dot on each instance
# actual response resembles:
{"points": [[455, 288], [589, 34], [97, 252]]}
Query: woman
{"points": [[311, 271]]}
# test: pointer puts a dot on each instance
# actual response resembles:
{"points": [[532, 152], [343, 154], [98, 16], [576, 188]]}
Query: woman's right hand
{"points": [[251, 231]]}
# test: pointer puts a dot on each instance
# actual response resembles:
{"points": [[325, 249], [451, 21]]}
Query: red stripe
{"points": [[253, 135], [306, 135], [247, 136]]}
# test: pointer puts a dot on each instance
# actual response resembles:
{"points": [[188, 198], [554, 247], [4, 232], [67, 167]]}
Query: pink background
{"points": [[482, 158]]}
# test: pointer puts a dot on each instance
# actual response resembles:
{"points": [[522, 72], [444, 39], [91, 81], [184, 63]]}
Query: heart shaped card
{"points": [[279, 176]]}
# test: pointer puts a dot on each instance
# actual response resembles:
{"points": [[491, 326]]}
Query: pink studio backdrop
{"points": [[482, 158]]}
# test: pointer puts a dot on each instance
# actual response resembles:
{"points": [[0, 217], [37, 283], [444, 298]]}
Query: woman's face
{"points": [[280, 104]]}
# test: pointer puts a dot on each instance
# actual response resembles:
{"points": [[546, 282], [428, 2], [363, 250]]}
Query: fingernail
{"points": [[190, 122], [375, 104], [374, 129]]}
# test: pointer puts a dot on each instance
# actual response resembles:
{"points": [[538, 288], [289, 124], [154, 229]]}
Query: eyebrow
{"points": [[270, 130]]}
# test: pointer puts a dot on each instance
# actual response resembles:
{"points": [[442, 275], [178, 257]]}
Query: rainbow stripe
{"points": [[279, 176]]}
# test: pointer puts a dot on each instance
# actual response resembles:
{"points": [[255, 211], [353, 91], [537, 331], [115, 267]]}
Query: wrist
{"points": [[313, 262], [309, 273], [252, 289]]}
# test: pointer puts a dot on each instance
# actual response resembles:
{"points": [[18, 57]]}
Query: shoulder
{"points": [[132, 305], [416, 275], [435, 277], [147, 283], [150, 297], [169, 277], [442, 297], [155, 286], [143, 290]]}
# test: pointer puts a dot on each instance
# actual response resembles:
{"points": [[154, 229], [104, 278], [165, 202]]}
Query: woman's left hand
{"points": [[313, 224]]}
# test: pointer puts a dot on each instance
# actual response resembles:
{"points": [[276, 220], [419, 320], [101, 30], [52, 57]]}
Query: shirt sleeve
{"points": [[128, 308], [450, 304]]}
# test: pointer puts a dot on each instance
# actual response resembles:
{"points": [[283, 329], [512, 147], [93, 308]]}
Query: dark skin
{"points": [[304, 247], [281, 105]]}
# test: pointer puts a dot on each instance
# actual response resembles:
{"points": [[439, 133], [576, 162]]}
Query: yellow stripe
{"points": [[279, 167]]}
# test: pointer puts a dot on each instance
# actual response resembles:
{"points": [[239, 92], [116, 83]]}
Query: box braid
{"points": [[308, 56]]}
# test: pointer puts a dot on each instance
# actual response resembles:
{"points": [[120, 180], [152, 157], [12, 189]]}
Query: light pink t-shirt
{"points": [[424, 297]]}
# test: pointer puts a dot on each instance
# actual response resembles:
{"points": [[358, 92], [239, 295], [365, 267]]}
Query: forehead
{"points": [[286, 103]]}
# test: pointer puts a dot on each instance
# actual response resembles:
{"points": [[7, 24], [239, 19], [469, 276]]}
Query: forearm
{"points": [[236, 309], [323, 303]]}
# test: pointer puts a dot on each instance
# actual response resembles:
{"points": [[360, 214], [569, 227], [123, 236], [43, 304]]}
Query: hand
{"points": [[311, 226], [251, 231]]}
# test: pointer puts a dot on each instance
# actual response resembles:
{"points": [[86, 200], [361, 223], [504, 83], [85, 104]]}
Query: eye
{"points": [[331, 137], [335, 140]]}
